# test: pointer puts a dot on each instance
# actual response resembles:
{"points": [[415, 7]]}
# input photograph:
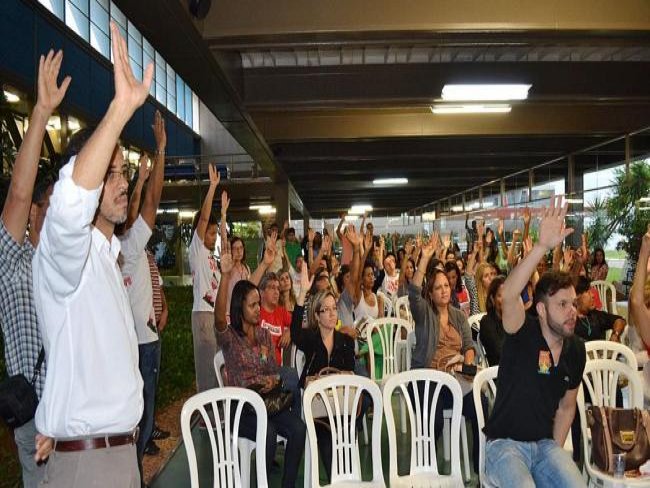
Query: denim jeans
{"points": [[530, 464], [290, 380], [25, 437], [149, 366], [288, 425]]}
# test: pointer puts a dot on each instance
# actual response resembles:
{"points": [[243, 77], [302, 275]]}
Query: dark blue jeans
{"points": [[149, 366], [288, 425]]}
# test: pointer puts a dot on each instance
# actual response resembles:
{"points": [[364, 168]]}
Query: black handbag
{"points": [[18, 399], [276, 400]]}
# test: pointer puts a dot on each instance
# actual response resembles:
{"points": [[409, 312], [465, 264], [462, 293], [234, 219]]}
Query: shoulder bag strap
{"points": [[39, 363]]}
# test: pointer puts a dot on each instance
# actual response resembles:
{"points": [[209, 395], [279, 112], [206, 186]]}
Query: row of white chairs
{"points": [[341, 395]]}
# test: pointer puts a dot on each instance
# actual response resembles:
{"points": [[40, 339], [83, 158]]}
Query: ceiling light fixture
{"points": [[429, 216], [186, 214], [390, 181], [360, 208], [574, 200], [259, 206], [471, 109], [11, 97], [267, 211], [487, 92]]}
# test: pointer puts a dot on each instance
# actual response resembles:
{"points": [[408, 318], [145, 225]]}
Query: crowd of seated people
{"points": [[81, 286]]}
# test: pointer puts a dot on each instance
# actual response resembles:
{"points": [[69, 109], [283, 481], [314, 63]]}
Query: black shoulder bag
{"points": [[18, 398]]}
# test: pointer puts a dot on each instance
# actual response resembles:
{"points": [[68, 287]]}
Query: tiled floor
{"points": [[176, 472]]}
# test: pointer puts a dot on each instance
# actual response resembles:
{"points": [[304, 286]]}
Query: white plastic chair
{"points": [[603, 288], [342, 394], [423, 471], [611, 350], [224, 436], [388, 303], [394, 347], [484, 379], [219, 364], [475, 321], [600, 379], [403, 309]]}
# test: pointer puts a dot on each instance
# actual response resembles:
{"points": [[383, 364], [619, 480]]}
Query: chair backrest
{"points": [[219, 365], [604, 287], [388, 303], [601, 380], [227, 405], [485, 379], [481, 356], [421, 389], [475, 321], [342, 395], [611, 350], [389, 330], [403, 309], [300, 362]]}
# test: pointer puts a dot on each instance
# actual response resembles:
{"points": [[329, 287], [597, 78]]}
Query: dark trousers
{"points": [[288, 425], [149, 363], [445, 401]]}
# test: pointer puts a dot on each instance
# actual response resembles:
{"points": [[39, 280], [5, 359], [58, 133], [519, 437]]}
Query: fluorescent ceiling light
{"points": [[186, 214], [457, 208], [267, 211], [359, 209], [390, 181], [490, 92], [259, 206], [11, 97], [167, 211], [429, 216], [471, 109], [574, 200]]}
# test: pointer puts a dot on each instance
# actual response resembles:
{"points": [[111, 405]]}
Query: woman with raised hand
{"points": [[250, 361]]}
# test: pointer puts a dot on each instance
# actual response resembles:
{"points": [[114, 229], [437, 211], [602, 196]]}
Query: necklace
{"points": [[585, 321]]}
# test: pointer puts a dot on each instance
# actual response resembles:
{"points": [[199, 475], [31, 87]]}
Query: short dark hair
{"points": [[491, 300], [213, 220], [583, 284], [76, 142], [550, 283], [239, 294], [389, 254], [452, 266], [345, 269]]}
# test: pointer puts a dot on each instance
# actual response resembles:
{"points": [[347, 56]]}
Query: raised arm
{"points": [[223, 228], [339, 234], [19, 198], [526, 224], [638, 308], [427, 252], [551, 231], [134, 201], [220, 312], [512, 258], [352, 236], [92, 161], [156, 180], [206, 209], [324, 249], [502, 238], [270, 249]]}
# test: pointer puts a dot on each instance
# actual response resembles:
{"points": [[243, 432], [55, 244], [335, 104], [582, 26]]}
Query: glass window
{"points": [[161, 79], [148, 56], [54, 6], [77, 19], [120, 20], [188, 106], [195, 114], [171, 89], [180, 98], [99, 27]]}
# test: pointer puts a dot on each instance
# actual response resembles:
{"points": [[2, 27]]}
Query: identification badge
{"points": [[544, 362]]}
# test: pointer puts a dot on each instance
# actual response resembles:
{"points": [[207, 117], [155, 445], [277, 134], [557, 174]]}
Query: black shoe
{"points": [[151, 449], [158, 434]]}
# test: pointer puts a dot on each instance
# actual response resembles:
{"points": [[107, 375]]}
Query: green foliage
{"points": [[177, 365], [598, 229]]}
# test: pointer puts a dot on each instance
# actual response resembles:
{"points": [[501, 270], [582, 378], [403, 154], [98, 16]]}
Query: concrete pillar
{"points": [[281, 203], [573, 185]]}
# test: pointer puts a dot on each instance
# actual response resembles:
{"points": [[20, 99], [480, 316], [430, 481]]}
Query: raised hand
{"points": [[526, 216], [159, 132], [446, 241], [214, 175], [225, 202], [480, 227], [552, 230], [528, 245], [430, 247], [351, 235], [143, 168], [327, 244], [367, 241], [500, 228], [50, 94], [271, 248], [409, 246], [130, 94], [310, 235], [226, 257], [305, 280]]}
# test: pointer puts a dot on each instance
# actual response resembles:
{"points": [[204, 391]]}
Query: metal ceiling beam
{"points": [[254, 18], [525, 119]]}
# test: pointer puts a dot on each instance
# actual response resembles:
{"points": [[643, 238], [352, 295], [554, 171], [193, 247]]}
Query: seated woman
{"points": [[249, 357], [323, 347], [492, 332], [459, 294], [442, 334]]}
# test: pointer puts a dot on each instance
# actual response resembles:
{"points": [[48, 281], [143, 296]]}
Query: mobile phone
{"points": [[468, 370]]}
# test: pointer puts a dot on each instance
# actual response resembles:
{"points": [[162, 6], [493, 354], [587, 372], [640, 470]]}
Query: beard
{"points": [[559, 328]]}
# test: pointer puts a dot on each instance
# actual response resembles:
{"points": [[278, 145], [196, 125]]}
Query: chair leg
{"points": [[463, 439], [365, 430], [402, 411], [245, 462], [446, 434], [307, 470]]}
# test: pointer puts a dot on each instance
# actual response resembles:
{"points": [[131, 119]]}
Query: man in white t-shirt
{"points": [[205, 282], [137, 277]]}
